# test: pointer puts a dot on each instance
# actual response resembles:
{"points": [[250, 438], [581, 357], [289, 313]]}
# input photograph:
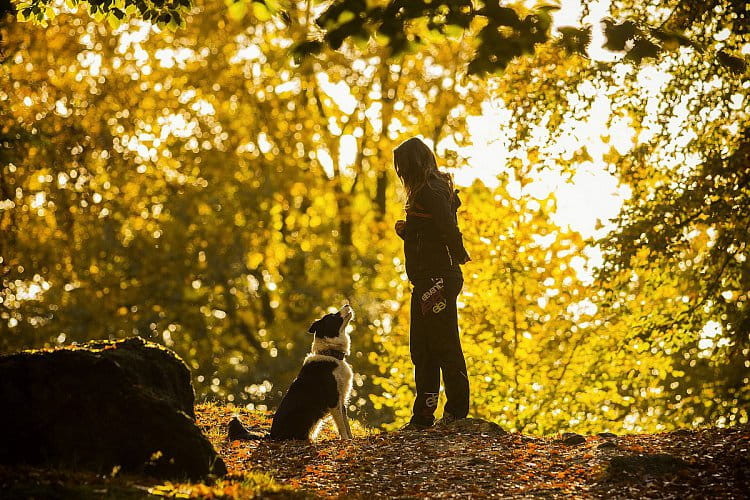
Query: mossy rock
{"points": [[102, 405], [476, 425]]}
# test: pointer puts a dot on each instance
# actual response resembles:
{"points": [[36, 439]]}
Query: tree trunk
{"points": [[388, 89], [381, 187], [345, 245]]}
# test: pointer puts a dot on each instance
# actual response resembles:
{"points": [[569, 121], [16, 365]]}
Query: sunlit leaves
{"points": [[198, 189], [200, 198], [529, 329], [262, 10], [501, 33], [165, 13]]}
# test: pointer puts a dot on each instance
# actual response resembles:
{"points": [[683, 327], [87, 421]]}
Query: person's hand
{"points": [[465, 258], [400, 227]]}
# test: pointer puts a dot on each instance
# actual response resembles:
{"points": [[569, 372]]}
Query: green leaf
{"points": [[732, 63], [261, 11], [346, 16], [305, 49], [453, 31], [643, 49], [237, 10], [618, 35], [113, 21]]}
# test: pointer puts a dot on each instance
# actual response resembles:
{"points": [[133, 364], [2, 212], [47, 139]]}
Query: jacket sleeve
{"points": [[445, 221], [402, 233]]}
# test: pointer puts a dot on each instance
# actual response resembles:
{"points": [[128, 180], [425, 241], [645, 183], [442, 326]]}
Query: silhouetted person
{"points": [[434, 250]]}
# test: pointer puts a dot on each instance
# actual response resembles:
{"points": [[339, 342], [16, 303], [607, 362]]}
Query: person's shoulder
{"points": [[433, 193]]}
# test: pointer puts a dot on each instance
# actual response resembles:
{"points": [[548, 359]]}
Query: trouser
{"points": [[435, 346]]}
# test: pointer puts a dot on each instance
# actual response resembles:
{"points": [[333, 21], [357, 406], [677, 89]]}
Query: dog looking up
{"points": [[323, 384], [321, 388]]}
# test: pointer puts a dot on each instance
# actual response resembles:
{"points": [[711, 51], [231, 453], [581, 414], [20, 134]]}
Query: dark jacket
{"points": [[433, 245]]}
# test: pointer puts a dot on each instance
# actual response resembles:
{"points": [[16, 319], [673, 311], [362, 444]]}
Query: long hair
{"points": [[416, 166]]}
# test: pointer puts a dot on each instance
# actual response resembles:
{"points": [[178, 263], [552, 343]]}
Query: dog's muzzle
{"points": [[347, 312]]}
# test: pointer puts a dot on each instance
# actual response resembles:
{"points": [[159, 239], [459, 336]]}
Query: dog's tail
{"points": [[237, 431]]}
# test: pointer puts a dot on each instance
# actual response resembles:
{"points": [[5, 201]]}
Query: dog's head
{"points": [[330, 330], [332, 325]]}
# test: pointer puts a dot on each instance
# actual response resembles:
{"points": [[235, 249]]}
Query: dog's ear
{"points": [[314, 327]]}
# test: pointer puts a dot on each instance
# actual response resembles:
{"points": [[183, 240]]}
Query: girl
{"points": [[433, 249]]}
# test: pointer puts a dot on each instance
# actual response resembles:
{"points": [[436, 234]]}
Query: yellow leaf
{"points": [[261, 12]]}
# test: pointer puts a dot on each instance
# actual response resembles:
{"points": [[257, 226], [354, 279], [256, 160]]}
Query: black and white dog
{"points": [[323, 384]]}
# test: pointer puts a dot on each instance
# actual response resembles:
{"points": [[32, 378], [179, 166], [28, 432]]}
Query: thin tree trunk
{"points": [[514, 323], [388, 89]]}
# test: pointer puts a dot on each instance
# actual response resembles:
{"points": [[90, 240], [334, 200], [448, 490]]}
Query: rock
{"points": [[650, 464], [682, 432], [237, 431], [607, 435], [477, 425], [530, 439], [571, 438], [102, 405]]}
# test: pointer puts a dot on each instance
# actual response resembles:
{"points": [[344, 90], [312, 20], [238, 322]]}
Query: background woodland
{"points": [[216, 183]]}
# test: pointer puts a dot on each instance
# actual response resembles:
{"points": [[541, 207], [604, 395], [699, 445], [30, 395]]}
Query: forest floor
{"points": [[468, 459]]}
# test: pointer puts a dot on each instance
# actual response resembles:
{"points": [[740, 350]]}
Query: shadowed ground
{"points": [[470, 459]]}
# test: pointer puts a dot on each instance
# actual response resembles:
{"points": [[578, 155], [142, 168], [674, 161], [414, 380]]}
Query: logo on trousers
{"points": [[431, 400], [433, 299], [437, 287]]}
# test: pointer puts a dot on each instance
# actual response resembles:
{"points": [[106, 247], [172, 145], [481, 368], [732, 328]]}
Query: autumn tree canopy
{"points": [[212, 176], [498, 33]]}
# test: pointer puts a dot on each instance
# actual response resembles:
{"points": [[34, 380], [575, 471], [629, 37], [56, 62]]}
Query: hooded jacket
{"points": [[433, 244]]}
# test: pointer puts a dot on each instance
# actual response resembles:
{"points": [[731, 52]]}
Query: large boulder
{"points": [[102, 405]]}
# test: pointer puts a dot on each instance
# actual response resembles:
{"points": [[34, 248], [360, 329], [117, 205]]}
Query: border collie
{"points": [[323, 384]]}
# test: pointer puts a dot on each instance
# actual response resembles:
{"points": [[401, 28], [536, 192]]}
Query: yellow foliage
{"points": [[194, 188]]}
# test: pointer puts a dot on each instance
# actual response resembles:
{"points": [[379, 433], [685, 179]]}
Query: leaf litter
{"points": [[467, 459]]}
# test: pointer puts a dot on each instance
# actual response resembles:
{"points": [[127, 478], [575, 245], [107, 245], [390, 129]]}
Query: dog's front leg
{"points": [[346, 420], [339, 419]]}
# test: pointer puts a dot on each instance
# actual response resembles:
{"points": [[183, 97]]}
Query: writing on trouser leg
{"points": [[431, 399], [433, 299]]}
